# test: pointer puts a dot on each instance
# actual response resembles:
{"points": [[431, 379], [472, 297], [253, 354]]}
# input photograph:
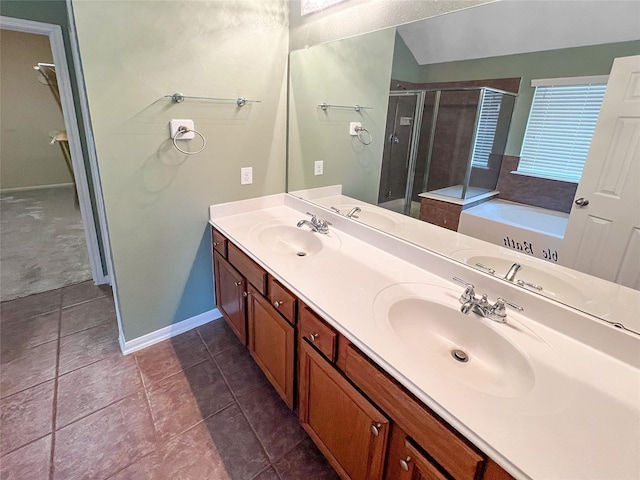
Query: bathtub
{"points": [[531, 230]]}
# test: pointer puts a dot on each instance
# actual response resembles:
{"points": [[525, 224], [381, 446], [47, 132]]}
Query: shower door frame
{"points": [[436, 108], [415, 138]]}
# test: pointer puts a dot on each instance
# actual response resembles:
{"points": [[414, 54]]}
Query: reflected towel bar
{"points": [[240, 101], [357, 108]]}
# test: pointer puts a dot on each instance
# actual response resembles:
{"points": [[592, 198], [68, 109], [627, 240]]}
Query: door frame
{"points": [[56, 41]]}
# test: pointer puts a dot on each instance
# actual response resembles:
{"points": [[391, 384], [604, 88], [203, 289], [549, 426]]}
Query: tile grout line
{"points": [[88, 328], [285, 454], [82, 302], [235, 398], [54, 409]]}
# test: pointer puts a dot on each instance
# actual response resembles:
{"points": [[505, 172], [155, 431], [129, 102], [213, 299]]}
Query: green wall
{"points": [[404, 66], [568, 62], [352, 71], [156, 199]]}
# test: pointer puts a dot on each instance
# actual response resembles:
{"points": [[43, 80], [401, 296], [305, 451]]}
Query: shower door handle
{"points": [[581, 202]]}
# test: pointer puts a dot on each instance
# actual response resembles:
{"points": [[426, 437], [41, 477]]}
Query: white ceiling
{"points": [[507, 27]]}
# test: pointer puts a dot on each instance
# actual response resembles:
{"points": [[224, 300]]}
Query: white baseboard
{"points": [[165, 333], [35, 187]]}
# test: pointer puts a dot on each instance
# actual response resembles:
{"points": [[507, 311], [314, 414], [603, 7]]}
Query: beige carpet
{"points": [[42, 243]]}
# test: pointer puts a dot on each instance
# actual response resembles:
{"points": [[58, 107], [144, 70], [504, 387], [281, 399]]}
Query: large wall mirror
{"points": [[426, 128]]}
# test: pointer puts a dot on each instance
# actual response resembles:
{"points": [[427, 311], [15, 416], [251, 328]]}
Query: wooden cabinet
{"points": [[321, 335], [406, 461], [271, 343], [341, 393], [446, 447], [231, 289], [283, 300], [240, 286], [219, 242], [345, 426]]}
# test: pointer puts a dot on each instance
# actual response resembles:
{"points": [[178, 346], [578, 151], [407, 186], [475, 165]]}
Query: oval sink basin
{"points": [[291, 240], [369, 217], [464, 348]]}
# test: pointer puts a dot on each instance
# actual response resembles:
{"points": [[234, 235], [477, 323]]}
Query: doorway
{"points": [[91, 216]]}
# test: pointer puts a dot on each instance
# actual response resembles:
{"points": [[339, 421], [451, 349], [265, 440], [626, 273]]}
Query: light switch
{"points": [[246, 175], [318, 167]]}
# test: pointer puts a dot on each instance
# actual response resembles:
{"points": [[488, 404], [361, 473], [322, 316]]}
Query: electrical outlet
{"points": [[318, 167], [352, 127], [246, 175]]}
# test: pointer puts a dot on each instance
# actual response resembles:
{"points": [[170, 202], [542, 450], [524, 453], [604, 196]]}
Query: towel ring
{"points": [[181, 131], [359, 131]]}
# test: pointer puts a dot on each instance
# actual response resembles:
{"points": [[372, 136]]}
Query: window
{"points": [[563, 116], [487, 126]]}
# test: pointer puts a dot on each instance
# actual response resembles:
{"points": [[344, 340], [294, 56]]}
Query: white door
{"points": [[603, 235]]}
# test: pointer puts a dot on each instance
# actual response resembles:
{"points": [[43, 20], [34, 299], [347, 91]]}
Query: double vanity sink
{"points": [[545, 391]]}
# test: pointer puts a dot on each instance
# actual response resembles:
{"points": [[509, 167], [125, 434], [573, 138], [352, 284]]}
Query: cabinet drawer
{"points": [[247, 267], [219, 242], [445, 446], [283, 300], [321, 335]]}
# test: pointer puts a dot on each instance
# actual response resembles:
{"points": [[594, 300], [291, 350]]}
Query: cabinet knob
{"points": [[313, 337], [375, 428], [246, 294], [276, 303], [215, 244], [404, 463], [238, 283]]}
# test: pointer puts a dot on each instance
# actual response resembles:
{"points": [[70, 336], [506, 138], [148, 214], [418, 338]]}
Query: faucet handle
{"points": [[513, 305], [499, 311], [314, 218], [464, 282], [469, 293]]}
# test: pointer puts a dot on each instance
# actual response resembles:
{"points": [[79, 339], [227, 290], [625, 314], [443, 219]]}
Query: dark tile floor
{"points": [[193, 407]]}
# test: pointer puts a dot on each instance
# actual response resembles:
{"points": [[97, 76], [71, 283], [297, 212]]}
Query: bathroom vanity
{"points": [[392, 381]]}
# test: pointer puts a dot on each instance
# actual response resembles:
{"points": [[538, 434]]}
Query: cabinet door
{"points": [[347, 428], [406, 462], [271, 343], [230, 296]]}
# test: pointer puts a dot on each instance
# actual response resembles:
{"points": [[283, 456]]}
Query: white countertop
{"points": [[580, 418]]}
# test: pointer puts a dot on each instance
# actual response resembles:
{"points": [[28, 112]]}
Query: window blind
{"points": [[487, 125], [559, 130]]}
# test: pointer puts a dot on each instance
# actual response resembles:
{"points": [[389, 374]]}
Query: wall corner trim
{"points": [[165, 333]]}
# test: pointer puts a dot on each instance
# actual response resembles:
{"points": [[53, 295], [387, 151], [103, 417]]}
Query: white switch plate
{"points": [[246, 175], [352, 127], [318, 167], [174, 124]]}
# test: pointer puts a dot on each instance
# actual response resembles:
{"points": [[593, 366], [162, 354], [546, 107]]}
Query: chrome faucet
{"points": [[318, 226], [511, 274], [496, 312], [352, 212]]}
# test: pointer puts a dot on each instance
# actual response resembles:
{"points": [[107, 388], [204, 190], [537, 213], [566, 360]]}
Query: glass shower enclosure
{"points": [[445, 143]]}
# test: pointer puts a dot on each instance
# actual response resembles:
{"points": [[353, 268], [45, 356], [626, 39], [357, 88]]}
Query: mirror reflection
{"points": [[451, 124]]}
